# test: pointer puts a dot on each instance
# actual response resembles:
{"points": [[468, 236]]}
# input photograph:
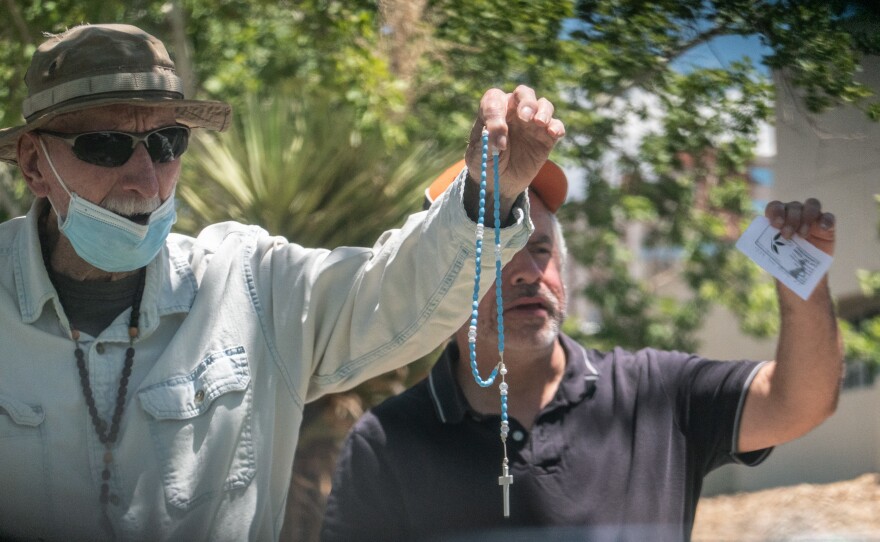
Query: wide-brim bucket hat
{"points": [[550, 184], [105, 64]]}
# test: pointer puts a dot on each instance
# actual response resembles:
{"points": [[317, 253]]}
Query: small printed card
{"points": [[795, 262]]}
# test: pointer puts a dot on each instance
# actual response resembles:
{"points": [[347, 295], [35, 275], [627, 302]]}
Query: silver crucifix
{"points": [[504, 481]]}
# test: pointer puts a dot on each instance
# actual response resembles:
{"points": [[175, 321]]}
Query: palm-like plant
{"points": [[305, 169]]}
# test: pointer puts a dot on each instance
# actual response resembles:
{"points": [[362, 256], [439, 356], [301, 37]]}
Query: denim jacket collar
{"points": [[170, 285]]}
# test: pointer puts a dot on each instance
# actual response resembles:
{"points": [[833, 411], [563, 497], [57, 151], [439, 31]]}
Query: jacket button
{"points": [[99, 348], [200, 396]]}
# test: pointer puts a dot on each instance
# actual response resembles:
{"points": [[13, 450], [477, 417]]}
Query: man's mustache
{"points": [[531, 294], [131, 206]]}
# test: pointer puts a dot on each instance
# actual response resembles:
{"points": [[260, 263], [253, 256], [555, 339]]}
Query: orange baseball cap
{"points": [[550, 184]]}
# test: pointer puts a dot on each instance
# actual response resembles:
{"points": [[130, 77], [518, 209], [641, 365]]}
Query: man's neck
{"points": [[64, 260], [533, 379]]}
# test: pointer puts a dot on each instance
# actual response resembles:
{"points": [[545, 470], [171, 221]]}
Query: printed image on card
{"points": [[795, 262]]}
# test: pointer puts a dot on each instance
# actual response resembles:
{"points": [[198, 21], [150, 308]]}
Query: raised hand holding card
{"points": [[795, 262]]}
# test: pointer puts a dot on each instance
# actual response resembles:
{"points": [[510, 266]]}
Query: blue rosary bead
{"points": [[478, 263]]}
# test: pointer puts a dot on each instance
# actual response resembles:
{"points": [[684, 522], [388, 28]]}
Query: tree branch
{"points": [[18, 21], [671, 55]]}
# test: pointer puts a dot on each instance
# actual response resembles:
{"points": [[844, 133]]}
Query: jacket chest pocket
{"points": [[24, 497], [201, 428]]}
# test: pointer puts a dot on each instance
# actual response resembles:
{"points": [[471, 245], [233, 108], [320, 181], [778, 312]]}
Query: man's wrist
{"points": [[472, 201]]}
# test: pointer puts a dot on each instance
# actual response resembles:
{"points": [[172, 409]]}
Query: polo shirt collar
{"points": [[450, 405], [449, 402], [580, 376]]}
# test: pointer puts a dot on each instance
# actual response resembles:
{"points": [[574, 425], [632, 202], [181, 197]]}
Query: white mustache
{"points": [[131, 206]]}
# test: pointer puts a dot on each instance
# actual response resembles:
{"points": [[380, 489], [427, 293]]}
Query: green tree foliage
{"points": [[13, 198], [683, 183], [304, 168]]}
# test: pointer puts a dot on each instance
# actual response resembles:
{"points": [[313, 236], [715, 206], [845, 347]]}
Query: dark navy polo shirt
{"points": [[619, 453]]}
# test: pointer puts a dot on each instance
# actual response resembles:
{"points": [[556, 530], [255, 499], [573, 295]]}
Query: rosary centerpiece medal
{"points": [[506, 479]]}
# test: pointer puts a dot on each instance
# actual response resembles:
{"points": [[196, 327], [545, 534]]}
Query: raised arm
{"points": [[798, 391]]}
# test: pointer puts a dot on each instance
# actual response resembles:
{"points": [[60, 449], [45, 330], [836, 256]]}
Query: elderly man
{"points": [[602, 445], [151, 384]]}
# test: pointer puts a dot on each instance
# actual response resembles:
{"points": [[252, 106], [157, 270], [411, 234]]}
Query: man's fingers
{"points": [[493, 111], [544, 114], [805, 218], [793, 212], [811, 211], [556, 129], [526, 103], [785, 217], [498, 109], [775, 213], [824, 227]]}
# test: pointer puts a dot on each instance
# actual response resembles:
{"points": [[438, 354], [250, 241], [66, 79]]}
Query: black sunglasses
{"points": [[113, 149]]}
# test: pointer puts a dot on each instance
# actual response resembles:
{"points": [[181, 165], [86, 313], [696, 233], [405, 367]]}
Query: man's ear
{"points": [[29, 164]]}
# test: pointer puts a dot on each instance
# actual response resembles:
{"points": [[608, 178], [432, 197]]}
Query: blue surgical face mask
{"points": [[108, 241]]}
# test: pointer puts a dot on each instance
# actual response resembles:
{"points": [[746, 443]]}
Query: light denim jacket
{"points": [[238, 330]]}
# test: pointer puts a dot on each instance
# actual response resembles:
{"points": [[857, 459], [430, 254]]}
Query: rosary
{"points": [[107, 433], [505, 479]]}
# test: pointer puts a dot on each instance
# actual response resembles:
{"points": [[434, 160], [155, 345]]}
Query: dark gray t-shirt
{"points": [[619, 454], [91, 306]]}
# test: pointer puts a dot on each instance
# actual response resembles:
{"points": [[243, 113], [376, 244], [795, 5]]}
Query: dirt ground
{"points": [[841, 511]]}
